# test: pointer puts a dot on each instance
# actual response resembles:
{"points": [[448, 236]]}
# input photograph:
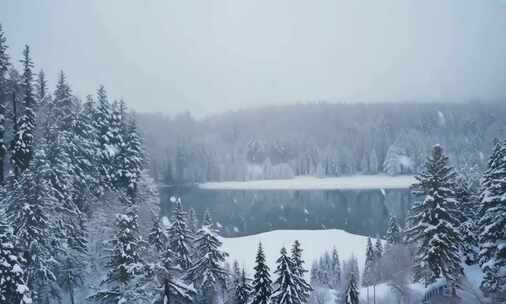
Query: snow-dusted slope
{"points": [[314, 183], [314, 242]]}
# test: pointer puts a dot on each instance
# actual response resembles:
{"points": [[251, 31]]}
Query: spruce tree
{"points": [[286, 291], [193, 221], [41, 89], [126, 268], [243, 290], [13, 288], [325, 269], [180, 237], [4, 67], [132, 158], [315, 274], [64, 106], [234, 279], [492, 224], [22, 144], [84, 158], [59, 144], [169, 275], [468, 227], [335, 276], [378, 268], [30, 212], [378, 248], [303, 287], [368, 278], [394, 234], [262, 289], [351, 293], [434, 223], [207, 272], [158, 236], [116, 147], [105, 150]]}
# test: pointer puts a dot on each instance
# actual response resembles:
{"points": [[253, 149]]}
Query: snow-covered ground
{"points": [[315, 183], [314, 242]]}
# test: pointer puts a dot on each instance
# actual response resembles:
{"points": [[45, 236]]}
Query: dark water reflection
{"points": [[244, 212]]}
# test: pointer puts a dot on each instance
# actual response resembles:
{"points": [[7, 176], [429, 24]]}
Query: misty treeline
{"points": [[320, 139]]}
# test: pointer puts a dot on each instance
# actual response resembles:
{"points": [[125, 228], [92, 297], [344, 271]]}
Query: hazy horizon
{"points": [[211, 57]]}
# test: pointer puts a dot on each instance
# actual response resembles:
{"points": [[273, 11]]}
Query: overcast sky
{"points": [[210, 56]]}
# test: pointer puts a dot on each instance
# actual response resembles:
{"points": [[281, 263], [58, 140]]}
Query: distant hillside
{"points": [[321, 139]]}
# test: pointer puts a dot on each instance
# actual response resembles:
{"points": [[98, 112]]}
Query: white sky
{"points": [[210, 56]]}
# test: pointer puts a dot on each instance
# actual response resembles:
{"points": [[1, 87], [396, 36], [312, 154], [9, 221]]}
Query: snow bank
{"points": [[359, 182], [314, 242]]}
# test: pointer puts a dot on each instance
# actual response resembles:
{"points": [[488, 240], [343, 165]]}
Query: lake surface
{"points": [[252, 211]]}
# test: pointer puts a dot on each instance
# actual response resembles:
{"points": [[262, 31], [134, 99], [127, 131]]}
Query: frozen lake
{"points": [[245, 208]]}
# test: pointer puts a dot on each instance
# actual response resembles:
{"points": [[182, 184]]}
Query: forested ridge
{"points": [[322, 139]]}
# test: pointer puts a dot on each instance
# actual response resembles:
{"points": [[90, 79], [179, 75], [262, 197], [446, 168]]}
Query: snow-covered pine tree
{"points": [[175, 290], [207, 272], [73, 258], [132, 158], [351, 293], [41, 89], [180, 237], [285, 291], [22, 143], [394, 234], [13, 288], [492, 224], [64, 106], [324, 265], [315, 274], [467, 203], [4, 67], [158, 236], [434, 223], [378, 248], [243, 290], [193, 221], [233, 281], [29, 210], [57, 140], [378, 251], [368, 276], [117, 145], [84, 158], [303, 287], [335, 270], [126, 269], [105, 150], [262, 289], [169, 278], [350, 267]]}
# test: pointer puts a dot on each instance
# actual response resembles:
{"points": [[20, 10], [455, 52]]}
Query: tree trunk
{"points": [[71, 294], [374, 293]]}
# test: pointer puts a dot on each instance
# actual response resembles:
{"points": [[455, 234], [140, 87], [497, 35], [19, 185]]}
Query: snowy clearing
{"points": [[314, 183], [314, 242]]}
